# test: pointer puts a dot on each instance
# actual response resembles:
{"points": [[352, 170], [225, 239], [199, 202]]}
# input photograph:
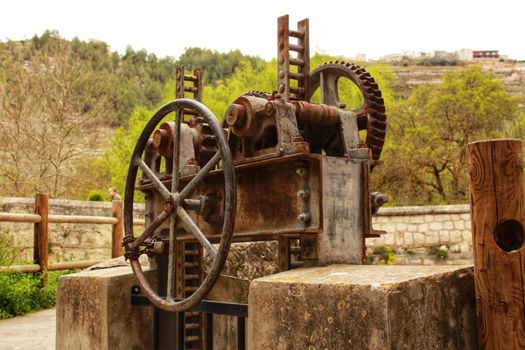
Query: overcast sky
{"points": [[374, 27]]}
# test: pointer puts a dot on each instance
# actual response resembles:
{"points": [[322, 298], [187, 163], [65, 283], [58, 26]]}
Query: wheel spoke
{"points": [[195, 230], [149, 230], [176, 153], [200, 175], [171, 259], [154, 179]]}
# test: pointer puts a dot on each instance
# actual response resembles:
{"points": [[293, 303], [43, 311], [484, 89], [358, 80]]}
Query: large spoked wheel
{"points": [[370, 116], [175, 200]]}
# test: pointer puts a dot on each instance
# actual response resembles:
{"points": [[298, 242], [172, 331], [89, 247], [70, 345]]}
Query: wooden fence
{"points": [[41, 220]]}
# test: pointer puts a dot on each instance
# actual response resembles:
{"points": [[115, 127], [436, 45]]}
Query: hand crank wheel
{"points": [[174, 199]]}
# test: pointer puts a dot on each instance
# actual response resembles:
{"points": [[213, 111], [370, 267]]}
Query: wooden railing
{"points": [[41, 220]]}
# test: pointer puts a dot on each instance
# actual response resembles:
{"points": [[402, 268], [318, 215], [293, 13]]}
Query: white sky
{"points": [[374, 27]]}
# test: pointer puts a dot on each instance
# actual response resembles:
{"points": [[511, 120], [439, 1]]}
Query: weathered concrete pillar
{"points": [[94, 311], [364, 307]]}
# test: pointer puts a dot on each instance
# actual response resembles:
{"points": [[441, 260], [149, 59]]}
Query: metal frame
{"points": [[209, 308]]}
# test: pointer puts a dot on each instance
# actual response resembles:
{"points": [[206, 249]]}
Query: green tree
{"points": [[425, 153], [216, 65]]}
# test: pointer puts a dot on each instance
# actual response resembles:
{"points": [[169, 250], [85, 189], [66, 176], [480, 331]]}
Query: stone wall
{"points": [[425, 235], [415, 235]]}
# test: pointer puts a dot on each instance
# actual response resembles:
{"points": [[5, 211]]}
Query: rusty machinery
{"points": [[280, 167]]}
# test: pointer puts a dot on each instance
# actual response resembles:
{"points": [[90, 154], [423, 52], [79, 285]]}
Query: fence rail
{"points": [[41, 220]]}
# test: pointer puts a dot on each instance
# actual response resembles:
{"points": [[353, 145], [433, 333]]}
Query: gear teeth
{"points": [[378, 124], [378, 131], [378, 116], [377, 99], [377, 107], [374, 121], [258, 93]]}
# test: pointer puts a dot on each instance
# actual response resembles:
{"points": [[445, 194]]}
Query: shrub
{"points": [[20, 293], [95, 196], [387, 255], [441, 253]]}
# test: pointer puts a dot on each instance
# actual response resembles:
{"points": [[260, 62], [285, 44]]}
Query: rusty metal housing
{"points": [[280, 167]]}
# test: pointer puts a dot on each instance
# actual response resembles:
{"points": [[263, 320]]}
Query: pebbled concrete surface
{"points": [[31, 331]]}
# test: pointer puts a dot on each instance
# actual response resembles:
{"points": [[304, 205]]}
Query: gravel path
{"points": [[32, 331]]}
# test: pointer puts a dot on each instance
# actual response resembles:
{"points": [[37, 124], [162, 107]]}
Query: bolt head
{"points": [[303, 172], [303, 194], [304, 217]]}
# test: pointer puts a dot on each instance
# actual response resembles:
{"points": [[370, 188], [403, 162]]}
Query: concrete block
{"points": [[364, 307], [94, 312]]}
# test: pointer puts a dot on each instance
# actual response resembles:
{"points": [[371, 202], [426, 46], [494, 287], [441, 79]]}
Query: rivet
{"points": [[304, 217], [303, 194], [303, 172]]}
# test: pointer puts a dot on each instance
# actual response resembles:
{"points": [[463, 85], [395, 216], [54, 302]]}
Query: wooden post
{"points": [[117, 230], [41, 238], [498, 215]]}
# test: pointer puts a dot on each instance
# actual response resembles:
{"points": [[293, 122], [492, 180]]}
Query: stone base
{"points": [[94, 311], [364, 307]]}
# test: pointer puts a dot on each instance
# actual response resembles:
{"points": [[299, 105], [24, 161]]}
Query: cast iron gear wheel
{"points": [[370, 116]]}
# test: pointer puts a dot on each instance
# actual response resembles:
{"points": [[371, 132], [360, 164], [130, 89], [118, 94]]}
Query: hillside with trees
{"points": [[58, 96]]}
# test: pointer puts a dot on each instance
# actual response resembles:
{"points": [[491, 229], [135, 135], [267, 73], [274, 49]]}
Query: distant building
{"points": [[465, 55], [485, 54], [461, 55]]}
